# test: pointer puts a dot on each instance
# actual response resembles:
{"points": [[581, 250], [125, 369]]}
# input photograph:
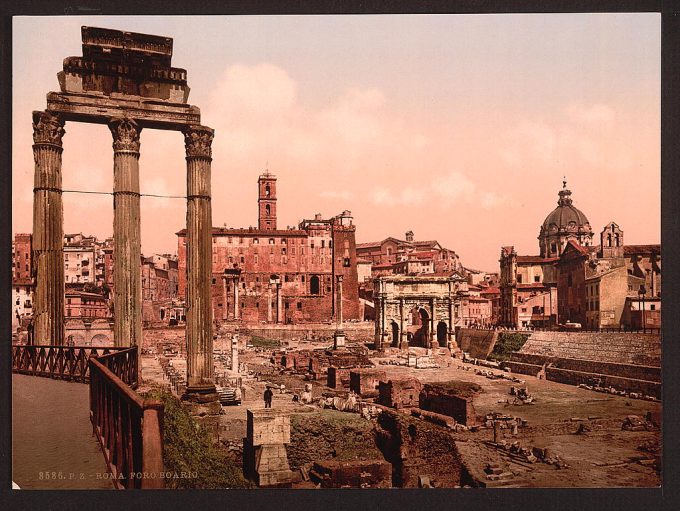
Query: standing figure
{"points": [[268, 395]]}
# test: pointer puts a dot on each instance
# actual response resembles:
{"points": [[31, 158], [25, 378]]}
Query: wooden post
{"points": [[152, 442]]}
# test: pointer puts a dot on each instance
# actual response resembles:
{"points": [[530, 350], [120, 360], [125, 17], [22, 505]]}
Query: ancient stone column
{"points": [[127, 279], [339, 336], [403, 336], [48, 230], [225, 310], [279, 303], [433, 322], [452, 321], [236, 304], [234, 352], [269, 303], [200, 369]]}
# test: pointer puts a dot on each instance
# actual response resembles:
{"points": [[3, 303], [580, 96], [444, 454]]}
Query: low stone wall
{"points": [[638, 372], [478, 343], [631, 378], [352, 474], [618, 348], [354, 332]]}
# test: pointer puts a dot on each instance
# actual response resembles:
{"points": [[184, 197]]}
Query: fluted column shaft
{"points": [[433, 328], [339, 315], [269, 304], [403, 336], [127, 278], [279, 304], [200, 370], [225, 309], [48, 230], [236, 306]]}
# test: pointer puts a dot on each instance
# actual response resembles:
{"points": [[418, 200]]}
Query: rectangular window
{"points": [[537, 278], [519, 279], [299, 306]]}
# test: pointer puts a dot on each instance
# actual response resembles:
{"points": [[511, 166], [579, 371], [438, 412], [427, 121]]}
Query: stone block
{"points": [[268, 426]]}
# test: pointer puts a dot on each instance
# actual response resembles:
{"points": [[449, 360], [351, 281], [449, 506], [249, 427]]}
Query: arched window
{"points": [[314, 287], [267, 192], [268, 209]]}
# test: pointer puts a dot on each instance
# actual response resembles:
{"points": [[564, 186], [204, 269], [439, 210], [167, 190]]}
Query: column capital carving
{"points": [[125, 135], [48, 128], [198, 141]]}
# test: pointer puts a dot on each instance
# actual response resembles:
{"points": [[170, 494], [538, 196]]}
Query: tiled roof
{"points": [[641, 250], [536, 259]]}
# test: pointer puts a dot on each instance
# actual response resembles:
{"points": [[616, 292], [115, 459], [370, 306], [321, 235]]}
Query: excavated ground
{"points": [[604, 456]]}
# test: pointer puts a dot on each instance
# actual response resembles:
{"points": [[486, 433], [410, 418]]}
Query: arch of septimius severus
{"points": [[124, 80]]}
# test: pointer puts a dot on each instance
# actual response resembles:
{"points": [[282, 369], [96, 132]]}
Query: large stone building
{"points": [[23, 284], [528, 283], [160, 282], [602, 286], [611, 285], [272, 275], [393, 256]]}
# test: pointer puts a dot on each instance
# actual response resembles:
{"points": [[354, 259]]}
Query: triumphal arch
{"points": [[124, 80], [417, 310]]}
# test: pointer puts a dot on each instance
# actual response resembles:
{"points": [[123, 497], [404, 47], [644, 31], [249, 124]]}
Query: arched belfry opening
{"points": [[125, 80]]}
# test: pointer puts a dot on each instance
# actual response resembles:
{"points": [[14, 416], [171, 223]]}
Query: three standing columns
{"points": [[48, 230], [199, 338], [127, 295]]}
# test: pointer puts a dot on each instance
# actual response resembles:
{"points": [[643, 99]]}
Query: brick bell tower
{"points": [[266, 201]]}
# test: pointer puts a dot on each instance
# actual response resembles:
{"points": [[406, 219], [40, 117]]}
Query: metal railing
{"points": [[58, 362], [128, 427]]}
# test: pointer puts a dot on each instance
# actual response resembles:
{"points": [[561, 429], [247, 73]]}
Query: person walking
{"points": [[268, 395]]}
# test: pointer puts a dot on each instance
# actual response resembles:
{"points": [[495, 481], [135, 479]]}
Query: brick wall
{"points": [[438, 399]]}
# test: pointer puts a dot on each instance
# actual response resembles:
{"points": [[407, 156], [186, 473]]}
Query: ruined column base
{"points": [[338, 339], [434, 345], [403, 345], [202, 400]]}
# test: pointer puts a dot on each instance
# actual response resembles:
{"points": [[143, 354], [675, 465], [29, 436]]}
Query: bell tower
{"points": [[266, 201]]}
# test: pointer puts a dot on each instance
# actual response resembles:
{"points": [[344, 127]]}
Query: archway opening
{"points": [[395, 334], [420, 327], [441, 333]]}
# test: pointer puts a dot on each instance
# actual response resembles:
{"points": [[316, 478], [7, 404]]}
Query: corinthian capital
{"points": [[47, 128], [198, 141], [125, 135]]}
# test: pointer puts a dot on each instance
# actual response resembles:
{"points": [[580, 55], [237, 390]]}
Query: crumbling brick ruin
{"points": [[364, 382], [402, 393], [417, 450], [453, 399]]}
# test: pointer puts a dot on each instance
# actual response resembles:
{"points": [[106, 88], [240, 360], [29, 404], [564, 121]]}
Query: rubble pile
{"points": [[614, 391]]}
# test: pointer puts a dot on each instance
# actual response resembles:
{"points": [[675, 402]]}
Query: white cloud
{"points": [[446, 190]]}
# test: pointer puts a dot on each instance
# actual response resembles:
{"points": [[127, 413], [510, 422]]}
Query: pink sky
{"points": [[459, 128]]}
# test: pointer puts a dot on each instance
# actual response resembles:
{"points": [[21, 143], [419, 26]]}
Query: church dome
{"points": [[566, 222], [565, 217]]}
